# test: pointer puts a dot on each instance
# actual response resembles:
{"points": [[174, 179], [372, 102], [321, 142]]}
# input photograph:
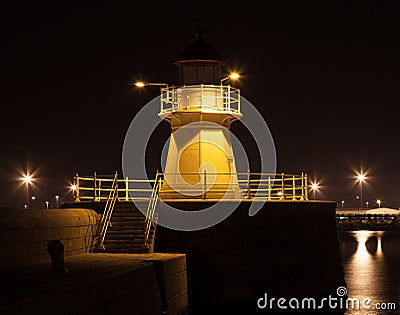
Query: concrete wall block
{"points": [[73, 243], [171, 265], [138, 302], [15, 234], [178, 304], [67, 232], [116, 284], [175, 284]]}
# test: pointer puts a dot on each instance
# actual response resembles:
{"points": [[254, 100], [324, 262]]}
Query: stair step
{"points": [[123, 224], [124, 245], [131, 228], [128, 214], [125, 231], [120, 237], [127, 250], [125, 218], [126, 242]]}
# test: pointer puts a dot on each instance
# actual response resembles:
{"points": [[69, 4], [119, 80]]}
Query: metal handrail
{"points": [[259, 186], [208, 98], [105, 221], [151, 216]]}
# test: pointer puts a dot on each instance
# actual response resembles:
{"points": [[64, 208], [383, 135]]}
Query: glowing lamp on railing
{"points": [[141, 84], [232, 76]]}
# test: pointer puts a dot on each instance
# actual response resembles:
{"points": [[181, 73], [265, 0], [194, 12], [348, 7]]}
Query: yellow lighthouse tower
{"points": [[200, 162]]}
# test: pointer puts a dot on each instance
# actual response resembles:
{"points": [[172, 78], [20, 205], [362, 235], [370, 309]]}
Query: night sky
{"points": [[324, 75]]}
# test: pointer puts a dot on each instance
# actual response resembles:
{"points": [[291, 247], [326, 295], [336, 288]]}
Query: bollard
{"points": [[55, 248]]}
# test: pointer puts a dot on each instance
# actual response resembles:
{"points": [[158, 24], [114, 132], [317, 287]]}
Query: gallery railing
{"points": [[251, 186]]}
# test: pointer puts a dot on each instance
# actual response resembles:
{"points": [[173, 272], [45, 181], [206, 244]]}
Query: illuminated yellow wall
{"points": [[201, 159]]}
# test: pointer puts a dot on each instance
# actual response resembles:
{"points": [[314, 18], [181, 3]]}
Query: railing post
{"points": [[229, 98], [159, 184], [269, 188], [126, 189], [162, 100], [94, 187], [99, 190], [238, 95], [248, 193], [283, 186], [306, 186], [76, 191], [294, 189]]}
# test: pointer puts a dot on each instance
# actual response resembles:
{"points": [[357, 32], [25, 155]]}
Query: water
{"points": [[371, 263]]}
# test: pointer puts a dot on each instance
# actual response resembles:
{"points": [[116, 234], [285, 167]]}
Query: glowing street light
{"points": [[314, 187], [57, 197], [27, 180], [342, 203], [379, 203], [47, 205], [73, 188], [367, 203], [232, 76], [141, 84], [361, 178]]}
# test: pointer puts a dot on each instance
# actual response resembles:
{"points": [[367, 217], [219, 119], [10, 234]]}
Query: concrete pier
{"points": [[98, 284], [288, 250]]}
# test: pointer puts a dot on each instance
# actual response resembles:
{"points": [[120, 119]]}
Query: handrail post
{"points": [[248, 193], [238, 95], [294, 189], [302, 186], [76, 191], [269, 188], [94, 187], [99, 190], [126, 189], [229, 98], [306, 186]]}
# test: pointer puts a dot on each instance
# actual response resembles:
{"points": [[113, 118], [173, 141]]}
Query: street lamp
{"points": [[361, 178], [57, 197], [47, 205], [367, 203], [342, 203], [314, 187], [27, 180], [379, 203], [73, 189], [232, 76], [141, 84]]}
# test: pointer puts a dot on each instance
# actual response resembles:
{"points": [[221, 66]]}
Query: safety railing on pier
{"points": [[249, 186]]}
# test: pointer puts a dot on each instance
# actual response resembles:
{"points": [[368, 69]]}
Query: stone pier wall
{"points": [[24, 234]]}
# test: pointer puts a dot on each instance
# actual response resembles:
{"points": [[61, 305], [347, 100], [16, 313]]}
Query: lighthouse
{"points": [[200, 162]]}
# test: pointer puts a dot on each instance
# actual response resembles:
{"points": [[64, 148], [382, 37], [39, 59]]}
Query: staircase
{"points": [[126, 234]]}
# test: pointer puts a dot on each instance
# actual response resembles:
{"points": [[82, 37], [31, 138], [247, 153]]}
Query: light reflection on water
{"points": [[371, 262]]}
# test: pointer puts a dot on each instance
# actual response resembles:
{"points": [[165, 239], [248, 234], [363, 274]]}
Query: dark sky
{"points": [[324, 75]]}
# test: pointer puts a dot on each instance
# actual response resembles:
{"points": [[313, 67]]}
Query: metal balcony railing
{"points": [[204, 98], [251, 186]]}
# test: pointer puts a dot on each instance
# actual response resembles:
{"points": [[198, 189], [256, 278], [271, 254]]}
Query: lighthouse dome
{"points": [[200, 50]]}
